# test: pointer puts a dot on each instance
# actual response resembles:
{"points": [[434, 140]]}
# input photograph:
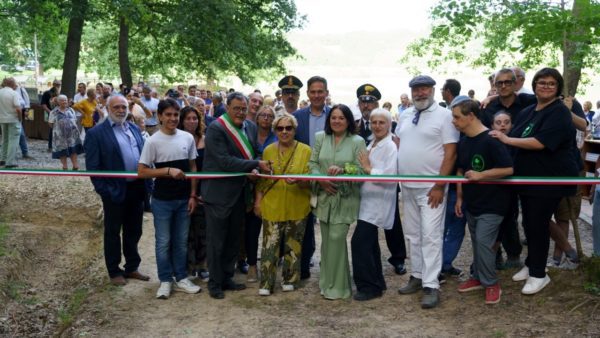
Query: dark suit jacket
{"points": [[221, 155], [303, 117], [102, 152]]}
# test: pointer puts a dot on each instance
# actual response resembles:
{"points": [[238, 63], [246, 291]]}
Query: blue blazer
{"points": [[303, 117], [102, 152]]}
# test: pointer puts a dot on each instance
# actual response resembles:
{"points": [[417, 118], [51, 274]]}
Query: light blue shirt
{"points": [[129, 147], [315, 125], [151, 104]]}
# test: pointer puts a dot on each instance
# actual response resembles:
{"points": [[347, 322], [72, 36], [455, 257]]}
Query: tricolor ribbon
{"points": [[514, 180]]}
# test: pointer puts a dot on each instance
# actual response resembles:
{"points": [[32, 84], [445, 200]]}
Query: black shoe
{"points": [[441, 279], [431, 298], [231, 285], [413, 285], [216, 293], [399, 269], [363, 296], [454, 272], [243, 267], [304, 275]]}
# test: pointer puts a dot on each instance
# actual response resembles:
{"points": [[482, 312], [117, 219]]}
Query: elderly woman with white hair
{"points": [[66, 141], [376, 208]]}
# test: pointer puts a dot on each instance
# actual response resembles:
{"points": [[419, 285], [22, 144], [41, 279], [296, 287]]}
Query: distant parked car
{"points": [[30, 65], [9, 68]]}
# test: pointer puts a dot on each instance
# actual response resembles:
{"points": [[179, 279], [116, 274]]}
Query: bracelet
{"points": [[168, 169]]}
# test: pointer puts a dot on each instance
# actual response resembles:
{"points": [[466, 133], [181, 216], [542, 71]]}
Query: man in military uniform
{"points": [[290, 92], [368, 99]]}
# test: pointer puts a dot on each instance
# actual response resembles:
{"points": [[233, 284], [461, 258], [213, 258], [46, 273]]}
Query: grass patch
{"points": [[67, 314], [3, 235], [12, 289], [591, 269]]}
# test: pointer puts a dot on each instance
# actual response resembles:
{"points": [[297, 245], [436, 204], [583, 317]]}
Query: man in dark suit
{"points": [[311, 120], [368, 99], [230, 147], [116, 145]]}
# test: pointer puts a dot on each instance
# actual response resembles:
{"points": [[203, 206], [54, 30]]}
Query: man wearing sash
{"points": [[230, 147]]}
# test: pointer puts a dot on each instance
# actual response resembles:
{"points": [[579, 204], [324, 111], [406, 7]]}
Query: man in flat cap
{"points": [[427, 147], [290, 92], [368, 99]]}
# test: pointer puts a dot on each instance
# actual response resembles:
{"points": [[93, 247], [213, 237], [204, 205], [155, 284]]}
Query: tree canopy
{"points": [[528, 33], [169, 39]]}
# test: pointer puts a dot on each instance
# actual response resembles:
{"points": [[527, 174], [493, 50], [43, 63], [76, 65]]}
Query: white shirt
{"points": [[377, 198], [421, 149], [9, 102], [524, 90], [78, 97], [23, 98]]}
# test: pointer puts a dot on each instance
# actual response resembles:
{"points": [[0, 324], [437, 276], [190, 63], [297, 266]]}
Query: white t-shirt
{"points": [[152, 105], [421, 149], [9, 102], [78, 97], [377, 200], [175, 151]]}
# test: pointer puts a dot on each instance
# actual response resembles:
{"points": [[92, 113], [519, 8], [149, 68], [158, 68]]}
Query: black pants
{"points": [[197, 238], [223, 239], [394, 238], [128, 217], [251, 233], [537, 211], [366, 259], [509, 232], [308, 246]]}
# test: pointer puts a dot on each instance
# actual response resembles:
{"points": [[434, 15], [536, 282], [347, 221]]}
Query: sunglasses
{"points": [[286, 128]]}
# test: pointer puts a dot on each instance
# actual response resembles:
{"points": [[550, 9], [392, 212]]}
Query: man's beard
{"points": [[423, 104]]}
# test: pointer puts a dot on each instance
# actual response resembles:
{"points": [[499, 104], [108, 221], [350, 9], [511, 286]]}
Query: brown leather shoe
{"points": [[137, 275], [118, 281]]}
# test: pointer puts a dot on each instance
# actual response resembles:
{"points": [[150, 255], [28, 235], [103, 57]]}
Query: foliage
{"points": [[494, 33], [168, 39]]}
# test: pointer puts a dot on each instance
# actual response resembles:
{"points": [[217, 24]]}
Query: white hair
{"points": [[382, 112], [62, 97]]}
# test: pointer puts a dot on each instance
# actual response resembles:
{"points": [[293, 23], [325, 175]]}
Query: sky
{"points": [[352, 42]]}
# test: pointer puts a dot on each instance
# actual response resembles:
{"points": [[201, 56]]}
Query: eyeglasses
{"points": [[286, 128], [546, 84], [504, 83], [265, 116], [239, 109]]}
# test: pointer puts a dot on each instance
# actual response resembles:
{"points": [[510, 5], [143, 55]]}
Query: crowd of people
{"points": [[206, 228]]}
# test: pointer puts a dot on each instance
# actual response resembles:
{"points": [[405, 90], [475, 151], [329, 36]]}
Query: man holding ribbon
{"points": [[230, 147]]}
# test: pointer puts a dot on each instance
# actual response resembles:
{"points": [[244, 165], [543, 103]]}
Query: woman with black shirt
{"points": [[192, 121], [542, 137]]}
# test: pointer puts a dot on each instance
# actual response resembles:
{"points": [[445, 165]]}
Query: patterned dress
{"points": [[65, 135]]}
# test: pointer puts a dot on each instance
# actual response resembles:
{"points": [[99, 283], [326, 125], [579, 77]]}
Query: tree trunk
{"points": [[71, 60], [124, 67], [575, 48]]}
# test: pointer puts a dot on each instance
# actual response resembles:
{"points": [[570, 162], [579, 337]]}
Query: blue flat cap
{"points": [[459, 99], [421, 80]]}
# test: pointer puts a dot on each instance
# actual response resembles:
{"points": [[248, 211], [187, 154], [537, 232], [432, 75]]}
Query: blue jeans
{"points": [[454, 231], [596, 223], [171, 226], [23, 142]]}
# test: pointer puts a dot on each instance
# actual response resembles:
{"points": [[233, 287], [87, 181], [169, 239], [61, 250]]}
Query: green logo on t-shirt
{"points": [[527, 130], [477, 162]]}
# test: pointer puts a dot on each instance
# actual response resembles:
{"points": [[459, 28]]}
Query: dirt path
{"points": [[53, 281]]}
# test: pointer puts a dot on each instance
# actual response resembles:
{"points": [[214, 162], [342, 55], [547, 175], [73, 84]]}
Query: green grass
{"points": [[3, 235], [67, 314], [591, 268]]}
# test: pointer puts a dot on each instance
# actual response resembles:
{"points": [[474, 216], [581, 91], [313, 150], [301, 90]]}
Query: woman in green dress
{"points": [[335, 152]]}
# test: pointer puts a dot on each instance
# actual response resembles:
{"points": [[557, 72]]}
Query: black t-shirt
{"points": [[46, 97], [480, 153], [553, 127], [521, 101]]}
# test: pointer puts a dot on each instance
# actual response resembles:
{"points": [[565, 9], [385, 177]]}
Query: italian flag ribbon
{"points": [[513, 180], [237, 135]]}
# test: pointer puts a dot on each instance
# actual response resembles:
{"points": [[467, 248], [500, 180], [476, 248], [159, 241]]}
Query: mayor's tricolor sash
{"points": [[237, 135]]}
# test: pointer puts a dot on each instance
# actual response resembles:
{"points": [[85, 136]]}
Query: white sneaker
{"points": [[522, 275], [287, 287], [535, 285], [568, 264], [186, 285], [164, 290], [264, 292]]}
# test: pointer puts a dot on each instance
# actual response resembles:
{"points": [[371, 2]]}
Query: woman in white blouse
{"points": [[376, 208]]}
